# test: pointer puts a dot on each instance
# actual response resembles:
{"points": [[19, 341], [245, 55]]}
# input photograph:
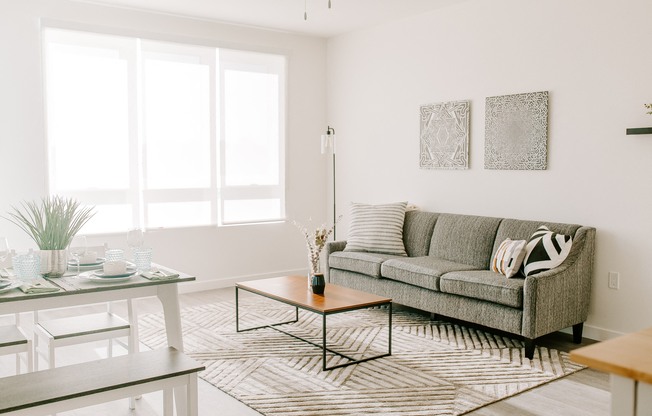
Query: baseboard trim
{"points": [[595, 333], [600, 334], [592, 332], [201, 285]]}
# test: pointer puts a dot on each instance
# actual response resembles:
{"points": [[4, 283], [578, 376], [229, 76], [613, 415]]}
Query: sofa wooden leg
{"points": [[529, 348], [577, 332], [433, 316]]}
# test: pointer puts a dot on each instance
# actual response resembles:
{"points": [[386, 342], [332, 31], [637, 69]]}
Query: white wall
{"points": [[593, 57], [214, 255]]}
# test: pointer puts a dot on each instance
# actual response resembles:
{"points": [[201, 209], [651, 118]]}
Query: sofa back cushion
{"points": [[417, 232], [464, 239], [523, 230]]}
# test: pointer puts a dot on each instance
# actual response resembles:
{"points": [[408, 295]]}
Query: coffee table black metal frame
{"points": [[323, 346]]}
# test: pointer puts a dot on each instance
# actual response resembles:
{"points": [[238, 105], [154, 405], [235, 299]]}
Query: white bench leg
{"points": [[51, 356], [35, 345], [30, 357]]}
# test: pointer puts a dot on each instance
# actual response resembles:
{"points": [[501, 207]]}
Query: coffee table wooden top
{"points": [[627, 356], [294, 290]]}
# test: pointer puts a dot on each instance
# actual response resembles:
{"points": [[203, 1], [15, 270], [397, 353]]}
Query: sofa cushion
{"points": [[420, 271], [509, 257], [465, 239], [484, 285], [365, 263], [417, 232], [377, 228], [545, 250]]}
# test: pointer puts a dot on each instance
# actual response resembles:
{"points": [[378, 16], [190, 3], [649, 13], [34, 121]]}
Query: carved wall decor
{"points": [[516, 132], [444, 141]]}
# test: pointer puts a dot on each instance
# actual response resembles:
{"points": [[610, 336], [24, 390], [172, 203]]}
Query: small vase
{"points": [[54, 263], [317, 283]]}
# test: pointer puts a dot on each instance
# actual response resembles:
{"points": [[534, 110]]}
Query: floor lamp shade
{"points": [[328, 142]]}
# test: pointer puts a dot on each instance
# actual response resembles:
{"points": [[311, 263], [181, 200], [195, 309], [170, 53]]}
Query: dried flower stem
{"points": [[315, 242]]}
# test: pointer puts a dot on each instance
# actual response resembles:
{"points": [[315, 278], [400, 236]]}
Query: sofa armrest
{"points": [[332, 247], [559, 298]]}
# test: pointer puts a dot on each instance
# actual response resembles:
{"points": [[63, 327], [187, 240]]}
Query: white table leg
{"points": [[132, 317], [644, 399], [193, 405], [167, 402], [169, 297], [623, 396], [133, 324]]}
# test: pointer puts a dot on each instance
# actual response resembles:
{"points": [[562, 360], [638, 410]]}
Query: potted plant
{"points": [[51, 223]]}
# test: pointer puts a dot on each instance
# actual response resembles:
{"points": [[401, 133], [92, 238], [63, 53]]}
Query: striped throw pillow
{"points": [[545, 250], [509, 257], [377, 228]]}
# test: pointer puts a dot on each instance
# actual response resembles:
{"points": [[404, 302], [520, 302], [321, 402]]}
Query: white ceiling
{"points": [[287, 15]]}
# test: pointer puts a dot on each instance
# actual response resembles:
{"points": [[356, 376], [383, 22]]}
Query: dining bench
{"points": [[80, 385]]}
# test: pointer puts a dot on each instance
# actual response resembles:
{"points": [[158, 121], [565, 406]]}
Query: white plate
{"points": [[100, 273], [73, 267], [97, 262], [94, 278], [13, 285]]}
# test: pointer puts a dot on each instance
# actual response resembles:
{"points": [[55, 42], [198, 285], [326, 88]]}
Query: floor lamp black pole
{"points": [[334, 206]]}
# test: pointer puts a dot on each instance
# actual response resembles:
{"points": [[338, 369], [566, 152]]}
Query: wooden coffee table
{"points": [[294, 291]]}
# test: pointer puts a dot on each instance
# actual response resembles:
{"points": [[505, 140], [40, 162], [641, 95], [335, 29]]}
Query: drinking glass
{"points": [[27, 266], [143, 259], [135, 239], [115, 254], [77, 248], [4, 253]]}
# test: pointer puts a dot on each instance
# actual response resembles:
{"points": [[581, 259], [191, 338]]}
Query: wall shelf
{"points": [[640, 130]]}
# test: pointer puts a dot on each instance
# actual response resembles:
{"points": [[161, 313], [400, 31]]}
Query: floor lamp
{"points": [[328, 142]]}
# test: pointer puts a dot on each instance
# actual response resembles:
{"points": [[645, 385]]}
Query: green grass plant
{"points": [[51, 223]]}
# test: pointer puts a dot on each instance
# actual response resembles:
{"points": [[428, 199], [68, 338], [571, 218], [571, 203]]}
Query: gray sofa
{"points": [[447, 272]]}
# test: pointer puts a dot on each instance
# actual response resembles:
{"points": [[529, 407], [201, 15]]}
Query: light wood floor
{"points": [[582, 393]]}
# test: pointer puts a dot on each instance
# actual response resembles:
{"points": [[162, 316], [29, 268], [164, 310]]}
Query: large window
{"points": [[160, 134]]}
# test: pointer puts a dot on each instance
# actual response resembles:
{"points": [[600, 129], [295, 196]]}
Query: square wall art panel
{"points": [[444, 142], [516, 132]]}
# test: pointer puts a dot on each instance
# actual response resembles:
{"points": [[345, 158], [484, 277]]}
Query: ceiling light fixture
{"points": [[305, 8]]}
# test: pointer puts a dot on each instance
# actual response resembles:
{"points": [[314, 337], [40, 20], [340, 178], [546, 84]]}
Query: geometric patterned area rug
{"points": [[436, 368]]}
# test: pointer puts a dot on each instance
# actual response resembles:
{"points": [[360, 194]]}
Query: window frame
{"points": [[238, 192], [137, 195]]}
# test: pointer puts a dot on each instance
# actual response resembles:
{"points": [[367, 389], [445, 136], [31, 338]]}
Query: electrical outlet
{"points": [[614, 280]]}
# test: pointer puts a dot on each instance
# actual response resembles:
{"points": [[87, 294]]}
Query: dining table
{"points": [[73, 290]]}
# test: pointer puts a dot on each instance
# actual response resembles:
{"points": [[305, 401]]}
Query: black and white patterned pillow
{"points": [[377, 228], [545, 250]]}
